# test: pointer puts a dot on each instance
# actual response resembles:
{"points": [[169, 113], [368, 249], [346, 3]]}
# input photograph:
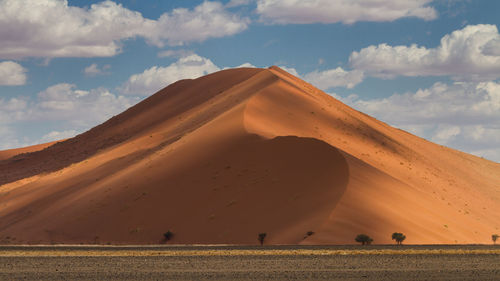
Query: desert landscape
{"points": [[222, 158], [249, 140], [250, 262]]}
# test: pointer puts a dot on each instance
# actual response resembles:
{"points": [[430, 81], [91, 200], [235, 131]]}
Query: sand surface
{"points": [[284, 263], [232, 154]]}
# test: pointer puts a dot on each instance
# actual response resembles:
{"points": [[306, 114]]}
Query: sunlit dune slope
{"points": [[232, 154]]}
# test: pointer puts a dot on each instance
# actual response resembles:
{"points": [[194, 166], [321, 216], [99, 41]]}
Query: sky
{"points": [[428, 67]]}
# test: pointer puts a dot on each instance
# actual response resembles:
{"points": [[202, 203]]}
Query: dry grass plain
{"points": [[449, 262]]}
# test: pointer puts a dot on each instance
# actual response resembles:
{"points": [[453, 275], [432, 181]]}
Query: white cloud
{"points": [[237, 3], [156, 77], [81, 108], [492, 48], [246, 64], [337, 77], [56, 135], [52, 28], [490, 154], [93, 70], [290, 70], [345, 11], [468, 54], [62, 109], [12, 109], [175, 53], [445, 134], [243, 65], [329, 78], [10, 139], [463, 115], [12, 74], [207, 20]]}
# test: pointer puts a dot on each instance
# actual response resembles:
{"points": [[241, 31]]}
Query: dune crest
{"points": [[9, 153], [224, 157]]}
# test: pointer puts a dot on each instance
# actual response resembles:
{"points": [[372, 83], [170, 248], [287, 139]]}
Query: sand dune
{"points": [[226, 156]]}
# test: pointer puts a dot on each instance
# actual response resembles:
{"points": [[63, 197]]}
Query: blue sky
{"points": [[429, 67]]}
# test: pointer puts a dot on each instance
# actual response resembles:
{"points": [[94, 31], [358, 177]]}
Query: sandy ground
{"points": [[224, 157], [288, 263]]}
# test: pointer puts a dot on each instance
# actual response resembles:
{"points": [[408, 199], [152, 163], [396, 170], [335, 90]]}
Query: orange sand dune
{"points": [[232, 154]]}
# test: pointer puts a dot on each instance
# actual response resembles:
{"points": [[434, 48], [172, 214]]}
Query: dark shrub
{"points": [[399, 237], [363, 239], [168, 235], [261, 238]]}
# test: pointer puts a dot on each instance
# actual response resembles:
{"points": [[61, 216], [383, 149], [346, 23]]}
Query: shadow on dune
{"points": [[284, 186]]}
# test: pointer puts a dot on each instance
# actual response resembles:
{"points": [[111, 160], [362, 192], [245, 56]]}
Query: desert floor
{"points": [[250, 262]]}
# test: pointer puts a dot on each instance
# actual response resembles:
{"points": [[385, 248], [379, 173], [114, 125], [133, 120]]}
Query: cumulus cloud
{"points": [[237, 3], [207, 20], [52, 28], [12, 74], [468, 54], [290, 70], [463, 115], [445, 134], [345, 11], [326, 79], [10, 139], [58, 135], [175, 53], [246, 64], [492, 48], [93, 70], [63, 109], [337, 77], [12, 109], [243, 65], [80, 108], [156, 77]]}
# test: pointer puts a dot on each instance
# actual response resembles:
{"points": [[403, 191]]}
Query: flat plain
{"points": [[444, 262]]}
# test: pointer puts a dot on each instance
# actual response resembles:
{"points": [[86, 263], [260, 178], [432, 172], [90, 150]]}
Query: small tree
{"points": [[399, 237], [363, 239], [261, 238], [168, 235], [494, 237]]}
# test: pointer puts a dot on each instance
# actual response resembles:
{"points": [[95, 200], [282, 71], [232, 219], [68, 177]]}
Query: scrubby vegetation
{"points": [[168, 235], [261, 238], [494, 237], [363, 239], [398, 237]]}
